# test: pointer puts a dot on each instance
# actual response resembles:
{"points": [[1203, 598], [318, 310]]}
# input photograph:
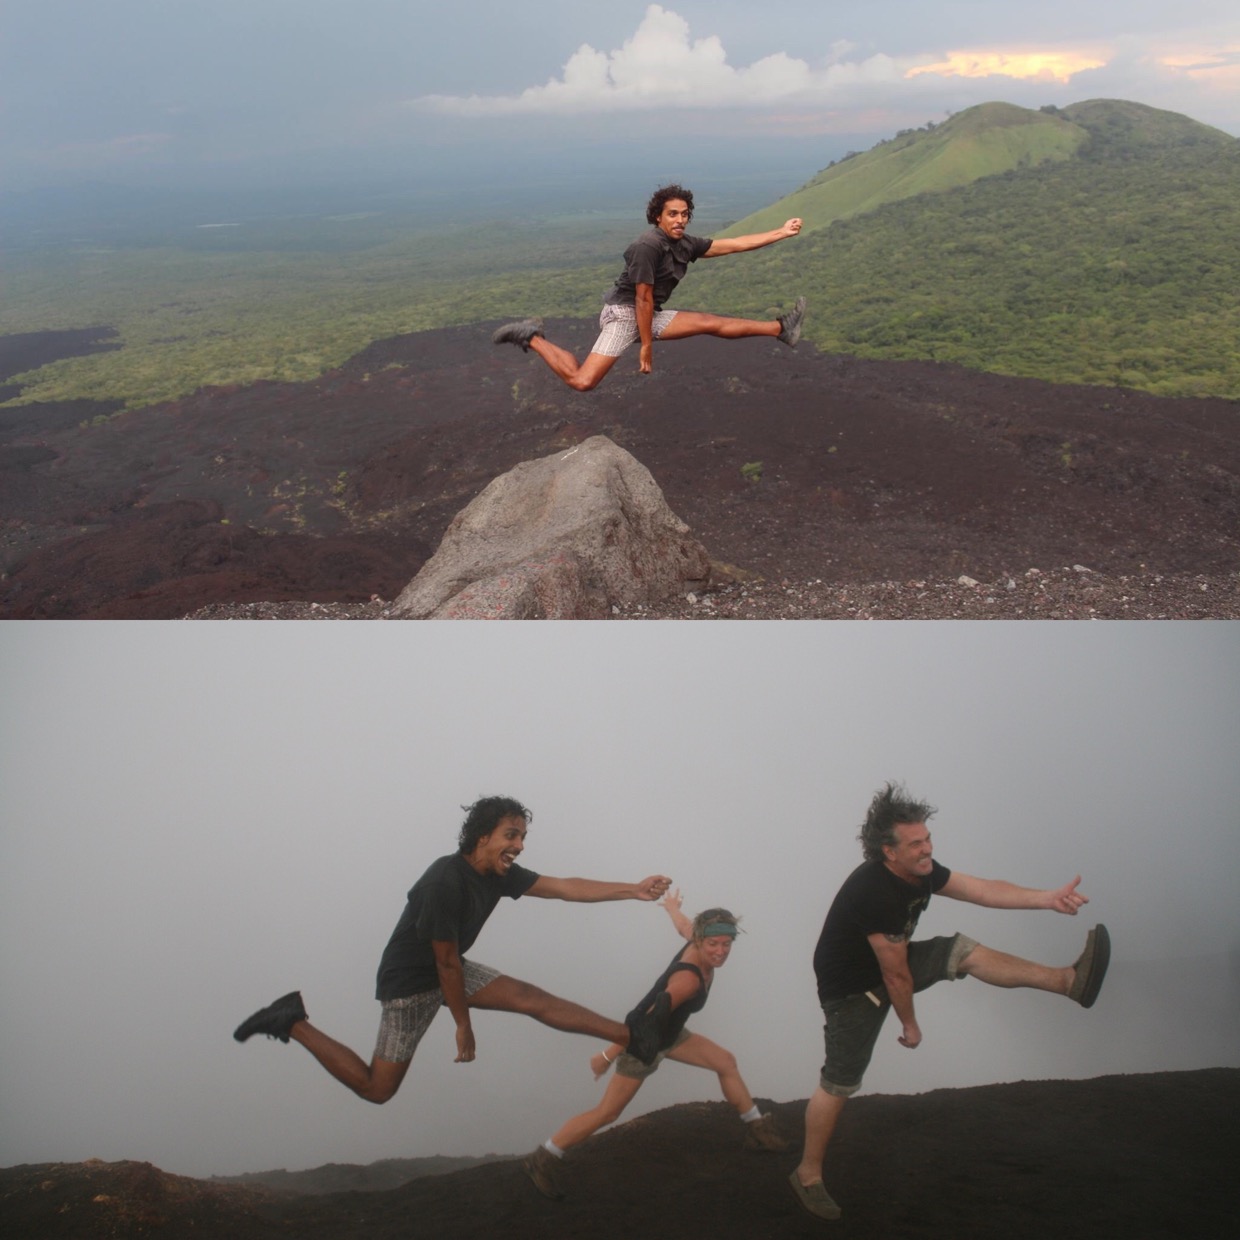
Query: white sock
{"points": [[752, 1114], [551, 1148]]}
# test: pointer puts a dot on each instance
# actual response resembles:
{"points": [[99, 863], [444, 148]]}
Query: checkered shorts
{"points": [[618, 326], [405, 1020]]}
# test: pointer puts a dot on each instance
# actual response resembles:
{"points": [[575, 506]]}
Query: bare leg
{"points": [[821, 1114], [507, 994], [583, 377], [693, 323], [375, 1082], [619, 1093], [999, 969], [703, 1053]]}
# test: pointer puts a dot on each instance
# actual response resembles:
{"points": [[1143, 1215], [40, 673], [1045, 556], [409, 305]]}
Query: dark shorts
{"points": [[852, 1024], [632, 1067]]}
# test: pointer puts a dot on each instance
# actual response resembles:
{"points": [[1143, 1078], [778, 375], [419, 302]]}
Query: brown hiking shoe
{"points": [[543, 1168], [761, 1134]]}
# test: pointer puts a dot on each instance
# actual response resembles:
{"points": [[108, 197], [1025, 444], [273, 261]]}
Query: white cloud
{"points": [[663, 67]]}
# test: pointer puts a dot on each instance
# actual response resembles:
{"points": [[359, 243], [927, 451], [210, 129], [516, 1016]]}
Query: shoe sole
{"points": [[1099, 959]]}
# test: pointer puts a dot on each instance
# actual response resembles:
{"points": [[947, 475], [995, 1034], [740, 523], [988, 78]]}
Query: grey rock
{"points": [[566, 537]]}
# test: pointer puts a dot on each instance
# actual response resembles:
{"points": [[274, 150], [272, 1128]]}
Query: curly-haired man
{"points": [[424, 966], [653, 265]]}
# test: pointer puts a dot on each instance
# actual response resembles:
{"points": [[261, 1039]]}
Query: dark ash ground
{"points": [[825, 486], [1148, 1157]]}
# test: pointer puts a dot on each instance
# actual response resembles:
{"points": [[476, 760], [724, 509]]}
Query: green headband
{"points": [[720, 927]]}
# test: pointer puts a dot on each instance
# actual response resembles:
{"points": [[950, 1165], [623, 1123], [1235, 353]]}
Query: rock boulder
{"points": [[560, 538]]}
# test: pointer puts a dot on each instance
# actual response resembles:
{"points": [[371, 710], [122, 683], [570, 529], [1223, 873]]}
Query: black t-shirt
{"points": [[871, 901], [654, 258], [677, 1019], [449, 904]]}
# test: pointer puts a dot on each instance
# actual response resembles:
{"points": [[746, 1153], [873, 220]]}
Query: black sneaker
{"points": [[790, 323], [275, 1020], [518, 333]]}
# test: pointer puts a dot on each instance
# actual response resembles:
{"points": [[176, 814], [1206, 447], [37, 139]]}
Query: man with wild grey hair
{"points": [[866, 961]]}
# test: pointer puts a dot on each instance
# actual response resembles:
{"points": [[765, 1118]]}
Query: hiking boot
{"points": [[790, 323], [1091, 968], [815, 1198], [761, 1134], [543, 1168], [275, 1020], [518, 333]]}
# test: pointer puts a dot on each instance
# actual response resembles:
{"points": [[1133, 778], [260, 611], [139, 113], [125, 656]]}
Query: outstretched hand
{"points": [[792, 227], [672, 901], [653, 888], [1067, 899]]}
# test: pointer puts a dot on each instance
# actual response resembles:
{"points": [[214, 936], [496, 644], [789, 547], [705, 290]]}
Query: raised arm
{"points": [[591, 891], [671, 905], [892, 956], [996, 893], [754, 241]]}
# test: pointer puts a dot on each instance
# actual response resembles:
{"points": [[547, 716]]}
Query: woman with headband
{"points": [[681, 990]]}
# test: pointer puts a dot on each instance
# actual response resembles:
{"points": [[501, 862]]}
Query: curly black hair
{"points": [[662, 196], [483, 816], [890, 807]]}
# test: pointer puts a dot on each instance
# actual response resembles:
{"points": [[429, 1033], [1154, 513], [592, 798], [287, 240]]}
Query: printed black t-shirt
{"points": [[872, 900]]}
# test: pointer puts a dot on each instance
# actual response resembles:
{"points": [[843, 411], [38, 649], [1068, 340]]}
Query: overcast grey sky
{"points": [[198, 818], [138, 88]]}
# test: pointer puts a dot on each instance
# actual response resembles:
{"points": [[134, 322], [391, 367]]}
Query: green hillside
{"points": [[984, 141], [1117, 265]]}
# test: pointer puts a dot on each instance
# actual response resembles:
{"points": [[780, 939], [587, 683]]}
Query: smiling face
{"points": [[497, 852], [716, 949], [674, 218], [911, 856]]}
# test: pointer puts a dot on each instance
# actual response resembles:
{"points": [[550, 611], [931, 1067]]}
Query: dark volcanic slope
{"points": [[339, 489], [1117, 1158]]}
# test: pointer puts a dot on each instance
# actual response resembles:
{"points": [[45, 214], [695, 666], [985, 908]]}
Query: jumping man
{"points": [[424, 968], [653, 265], [866, 962]]}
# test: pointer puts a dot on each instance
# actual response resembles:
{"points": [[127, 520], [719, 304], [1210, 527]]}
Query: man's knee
{"points": [[583, 383]]}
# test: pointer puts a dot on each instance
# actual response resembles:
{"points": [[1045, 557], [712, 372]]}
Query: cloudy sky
{"points": [[198, 818], [137, 89]]}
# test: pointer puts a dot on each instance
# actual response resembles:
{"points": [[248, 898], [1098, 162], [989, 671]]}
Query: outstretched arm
{"points": [[671, 905], [995, 893], [591, 891], [754, 241]]}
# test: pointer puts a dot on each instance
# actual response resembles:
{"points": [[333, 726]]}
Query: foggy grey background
{"points": [[198, 818], [267, 91]]}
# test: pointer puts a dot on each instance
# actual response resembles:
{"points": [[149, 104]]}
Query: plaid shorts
{"points": [[619, 328], [405, 1020]]}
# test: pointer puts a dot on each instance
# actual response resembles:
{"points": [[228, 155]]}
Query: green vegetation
{"points": [[1094, 244], [982, 142], [1119, 266], [751, 471], [188, 318]]}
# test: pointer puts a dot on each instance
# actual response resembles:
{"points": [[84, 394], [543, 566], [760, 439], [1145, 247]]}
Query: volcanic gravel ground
{"points": [[823, 486]]}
